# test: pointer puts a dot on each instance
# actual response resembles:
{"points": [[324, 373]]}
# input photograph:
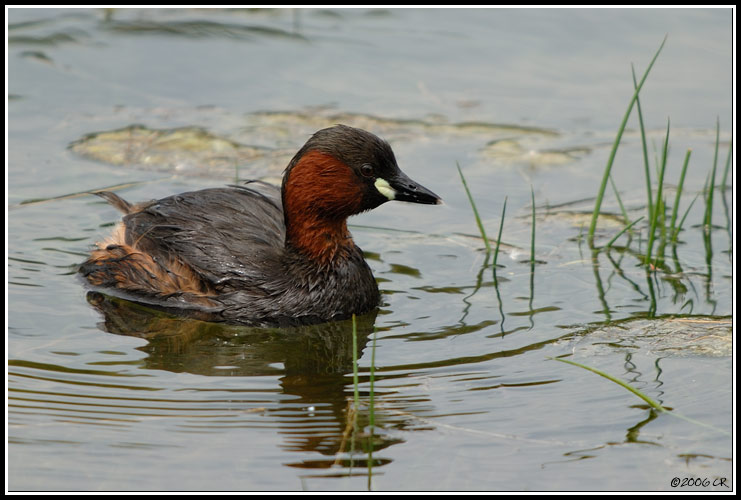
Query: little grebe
{"points": [[256, 254]]}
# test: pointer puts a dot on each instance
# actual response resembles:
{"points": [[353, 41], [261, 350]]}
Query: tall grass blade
{"points": [[620, 201], [660, 252], [532, 232], [352, 423], [499, 236], [613, 152], [372, 415], [652, 402], [686, 213], [708, 220], [352, 409], [659, 203], [724, 183], [626, 228], [475, 211], [532, 259], [675, 208], [372, 411], [649, 198], [356, 395]]}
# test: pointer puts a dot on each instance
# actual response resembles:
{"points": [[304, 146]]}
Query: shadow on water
{"points": [[312, 363]]}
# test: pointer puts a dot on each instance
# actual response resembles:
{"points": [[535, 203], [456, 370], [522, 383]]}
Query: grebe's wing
{"points": [[219, 232]]}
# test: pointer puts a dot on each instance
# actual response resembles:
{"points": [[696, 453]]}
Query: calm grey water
{"points": [[102, 395]]}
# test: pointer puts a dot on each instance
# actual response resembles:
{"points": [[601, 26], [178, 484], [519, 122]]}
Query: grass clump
{"points": [[613, 152], [664, 223]]}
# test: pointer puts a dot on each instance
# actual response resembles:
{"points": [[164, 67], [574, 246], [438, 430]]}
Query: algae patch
{"points": [[260, 144], [668, 336], [187, 150]]}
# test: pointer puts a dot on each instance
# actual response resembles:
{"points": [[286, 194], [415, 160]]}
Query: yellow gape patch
{"points": [[385, 189]]}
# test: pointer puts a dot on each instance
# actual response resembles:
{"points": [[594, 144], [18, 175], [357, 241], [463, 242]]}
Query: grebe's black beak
{"points": [[402, 188]]}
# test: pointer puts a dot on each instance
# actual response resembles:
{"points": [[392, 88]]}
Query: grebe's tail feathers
{"points": [[115, 200]]}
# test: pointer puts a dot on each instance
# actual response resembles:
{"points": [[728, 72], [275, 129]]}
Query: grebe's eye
{"points": [[367, 170]]}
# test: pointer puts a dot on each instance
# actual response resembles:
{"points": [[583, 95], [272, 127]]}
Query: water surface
{"points": [[105, 395]]}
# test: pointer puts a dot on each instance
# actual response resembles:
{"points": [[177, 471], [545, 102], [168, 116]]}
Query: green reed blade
{"points": [[371, 416], [675, 208], [686, 213], [708, 220], [653, 403], [371, 412], [532, 232], [475, 211], [356, 395], [728, 165], [620, 201], [662, 229], [659, 199], [621, 129], [645, 148], [499, 236], [626, 228]]}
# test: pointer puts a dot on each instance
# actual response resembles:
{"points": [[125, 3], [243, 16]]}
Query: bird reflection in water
{"points": [[312, 362]]}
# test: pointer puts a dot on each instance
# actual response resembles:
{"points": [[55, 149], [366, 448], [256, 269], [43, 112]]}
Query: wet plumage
{"points": [[258, 254]]}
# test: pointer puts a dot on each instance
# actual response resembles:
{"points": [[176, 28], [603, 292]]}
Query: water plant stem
{"points": [[475, 211], [728, 166], [708, 219], [620, 201], [371, 411], [532, 231], [499, 236], [626, 228], [686, 213], [675, 208], [659, 203], [356, 395], [652, 402], [647, 170]]}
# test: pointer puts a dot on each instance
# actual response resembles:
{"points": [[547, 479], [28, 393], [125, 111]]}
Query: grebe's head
{"points": [[342, 171]]}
